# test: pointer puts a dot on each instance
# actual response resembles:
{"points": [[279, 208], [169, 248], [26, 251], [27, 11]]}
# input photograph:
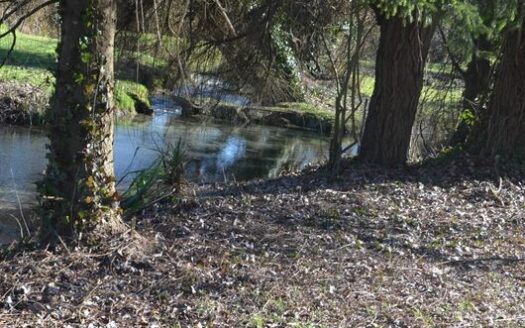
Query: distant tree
{"points": [[406, 30], [473, 39], [501, 130], [78, 193]]}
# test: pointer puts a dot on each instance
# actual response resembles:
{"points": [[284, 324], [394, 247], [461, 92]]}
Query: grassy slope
{"points": [[33, 60]]}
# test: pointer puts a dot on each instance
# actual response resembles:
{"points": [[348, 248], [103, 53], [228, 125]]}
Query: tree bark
{"points": [[477, 76], [502, 127], [78, 193], [400, 62]]}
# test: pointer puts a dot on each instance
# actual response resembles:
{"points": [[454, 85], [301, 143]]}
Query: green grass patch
{"points": [[34, 58], [30, 51], [367, 85], [125, 91], [38, 77], [306, 108], [430, 93]]}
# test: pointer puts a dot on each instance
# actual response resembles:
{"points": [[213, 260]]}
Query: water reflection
{"points": [[22, 161], [233, 150], [214, 151]]}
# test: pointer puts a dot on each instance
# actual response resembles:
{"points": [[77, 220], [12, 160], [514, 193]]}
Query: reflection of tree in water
{"points": [[234, 153], [216, 152], [296, 155], [271, 151]]}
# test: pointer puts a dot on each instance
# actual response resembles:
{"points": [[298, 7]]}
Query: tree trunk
{"points": [[78, 193], [477, 76], [502, 127], [403, 49], [477, 79]]}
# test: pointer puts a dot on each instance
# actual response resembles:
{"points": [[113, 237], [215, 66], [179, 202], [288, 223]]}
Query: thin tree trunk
{"points": [[502, 127], [477, 79], [78, 192], [403, 49], [477, 76]]}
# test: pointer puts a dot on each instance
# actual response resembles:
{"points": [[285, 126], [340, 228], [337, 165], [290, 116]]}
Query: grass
{"points": [[448, 96], [34, 58], [159, 181], [307, 109], [432, 93], [40, 77], [124, 92]]}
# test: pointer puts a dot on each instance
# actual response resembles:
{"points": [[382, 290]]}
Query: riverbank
{"points": [[301, 116], [27, 104], [423, 247], [27, 83]]}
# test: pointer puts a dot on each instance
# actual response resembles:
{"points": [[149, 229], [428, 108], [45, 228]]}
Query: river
{"points": [[214, 151]]}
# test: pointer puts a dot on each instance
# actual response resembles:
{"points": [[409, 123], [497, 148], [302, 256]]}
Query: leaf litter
{"points": [[373, 248]]}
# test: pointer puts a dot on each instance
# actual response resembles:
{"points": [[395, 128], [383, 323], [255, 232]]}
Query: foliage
{"points": [[162, 179], [467, 117], [418, 10], [470, 20]]}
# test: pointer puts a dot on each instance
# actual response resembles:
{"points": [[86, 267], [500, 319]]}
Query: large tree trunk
{"points": [[502, 127], [78, 192], [403, 49]]}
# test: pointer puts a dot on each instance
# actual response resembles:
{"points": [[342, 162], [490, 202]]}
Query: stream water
{"points": [[214, 151]]}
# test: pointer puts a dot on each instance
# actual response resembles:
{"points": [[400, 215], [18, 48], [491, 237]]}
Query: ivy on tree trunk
{"points": [[78, 193]]}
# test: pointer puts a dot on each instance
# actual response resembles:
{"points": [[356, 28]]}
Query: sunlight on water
{"points": [[214, 151], [233, 150]]}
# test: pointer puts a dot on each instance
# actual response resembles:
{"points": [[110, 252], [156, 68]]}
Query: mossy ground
{"points": [[306, 108]]}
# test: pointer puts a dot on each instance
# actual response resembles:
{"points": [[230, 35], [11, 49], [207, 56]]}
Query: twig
{"points": [[19, 225], [20, 205], [13, 43]]}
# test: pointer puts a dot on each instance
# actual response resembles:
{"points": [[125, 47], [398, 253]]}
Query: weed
{"points": [[161, 180]]}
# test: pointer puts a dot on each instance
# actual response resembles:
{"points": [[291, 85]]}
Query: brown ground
{"points": [[22, 103], [371, 249]]}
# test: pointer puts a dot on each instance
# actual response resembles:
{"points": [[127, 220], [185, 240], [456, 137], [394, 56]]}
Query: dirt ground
{"points": [[372, 248]]}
